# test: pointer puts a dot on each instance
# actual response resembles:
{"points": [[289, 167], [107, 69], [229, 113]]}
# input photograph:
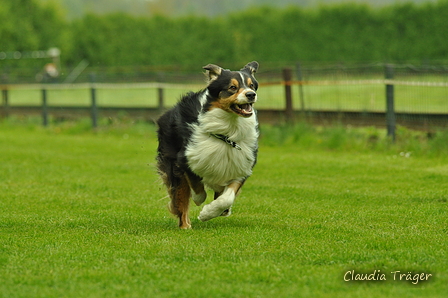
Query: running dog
{"points": [[210, 138]]}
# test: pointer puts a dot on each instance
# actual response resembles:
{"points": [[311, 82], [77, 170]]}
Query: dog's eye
{"points": [[252, 86], [233, 88]]}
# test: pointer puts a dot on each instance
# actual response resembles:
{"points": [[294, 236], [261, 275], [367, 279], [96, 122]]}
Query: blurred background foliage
{"points": [[211, 8], [186, 34]]}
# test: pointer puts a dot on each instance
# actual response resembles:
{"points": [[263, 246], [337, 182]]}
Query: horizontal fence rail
{"points": [[358, 82], [155, 85], [291, 110], [62, 86]]}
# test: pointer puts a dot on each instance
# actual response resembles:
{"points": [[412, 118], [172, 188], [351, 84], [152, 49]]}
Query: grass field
{"points": [[83, 214]]}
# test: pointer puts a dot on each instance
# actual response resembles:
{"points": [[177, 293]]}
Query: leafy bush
{"points": [[343, 32]]}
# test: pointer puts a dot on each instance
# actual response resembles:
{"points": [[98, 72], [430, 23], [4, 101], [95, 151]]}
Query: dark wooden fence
{"points": [[290, 114]]}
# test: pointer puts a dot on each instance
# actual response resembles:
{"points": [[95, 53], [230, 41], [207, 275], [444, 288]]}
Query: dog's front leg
{"points": [[199, 195], [222, 204]]}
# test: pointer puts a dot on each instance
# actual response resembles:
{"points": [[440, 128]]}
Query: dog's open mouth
{"points": [[244, 110]]}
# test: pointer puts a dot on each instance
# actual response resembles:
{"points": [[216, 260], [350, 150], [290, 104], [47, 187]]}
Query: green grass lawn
{"points": [[83, 214]]}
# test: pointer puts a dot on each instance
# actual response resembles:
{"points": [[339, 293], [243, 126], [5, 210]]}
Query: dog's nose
{"points": [[251, 95]]}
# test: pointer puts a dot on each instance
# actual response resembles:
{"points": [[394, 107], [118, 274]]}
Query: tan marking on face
{"points": [[249, 82], [215, 104], [227, 102], [234, 82]]}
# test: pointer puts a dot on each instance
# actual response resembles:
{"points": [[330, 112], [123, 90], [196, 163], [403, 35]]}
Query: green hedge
{"points": [[27, 26], [345, 32]]}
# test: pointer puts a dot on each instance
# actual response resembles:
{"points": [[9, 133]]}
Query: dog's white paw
{"points": [[199, 198], [211, 211], [227, 212], [219, 207]]}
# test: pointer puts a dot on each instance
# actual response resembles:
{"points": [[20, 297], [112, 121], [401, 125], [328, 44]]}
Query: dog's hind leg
{"points": [[222, 204], [178, 189], [180, 201]]}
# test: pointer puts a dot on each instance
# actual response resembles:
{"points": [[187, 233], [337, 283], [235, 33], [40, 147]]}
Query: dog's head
{"points": [[232, 91]]}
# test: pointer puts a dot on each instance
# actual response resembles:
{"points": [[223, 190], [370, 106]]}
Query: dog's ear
{"points": [[251, 67], [213, 72]]}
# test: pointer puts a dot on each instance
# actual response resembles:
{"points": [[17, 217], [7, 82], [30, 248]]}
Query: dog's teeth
{"points": [[246, 107]]}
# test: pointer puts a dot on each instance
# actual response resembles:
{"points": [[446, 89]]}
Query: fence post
{"points": [[5, 102], [94, 108], [44, 107], [161, 98], [390, 110], [287, 78], [301, 95], [160, 91]]}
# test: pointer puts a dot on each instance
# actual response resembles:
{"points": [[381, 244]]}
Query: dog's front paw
{"points": [[219, 207], [227, 212], [211, 211]]}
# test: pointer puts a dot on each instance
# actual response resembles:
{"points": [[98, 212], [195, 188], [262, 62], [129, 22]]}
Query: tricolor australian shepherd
{"points": [[210, 138]]}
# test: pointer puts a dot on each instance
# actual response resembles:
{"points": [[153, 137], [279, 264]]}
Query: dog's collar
{"points": [[227, 140]]}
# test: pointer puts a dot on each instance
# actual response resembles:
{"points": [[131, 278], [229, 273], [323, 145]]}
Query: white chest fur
{"points": [[217, 162]]}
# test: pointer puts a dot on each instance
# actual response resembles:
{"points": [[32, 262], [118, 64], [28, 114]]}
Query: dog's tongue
{"points": [[246, 108]]}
